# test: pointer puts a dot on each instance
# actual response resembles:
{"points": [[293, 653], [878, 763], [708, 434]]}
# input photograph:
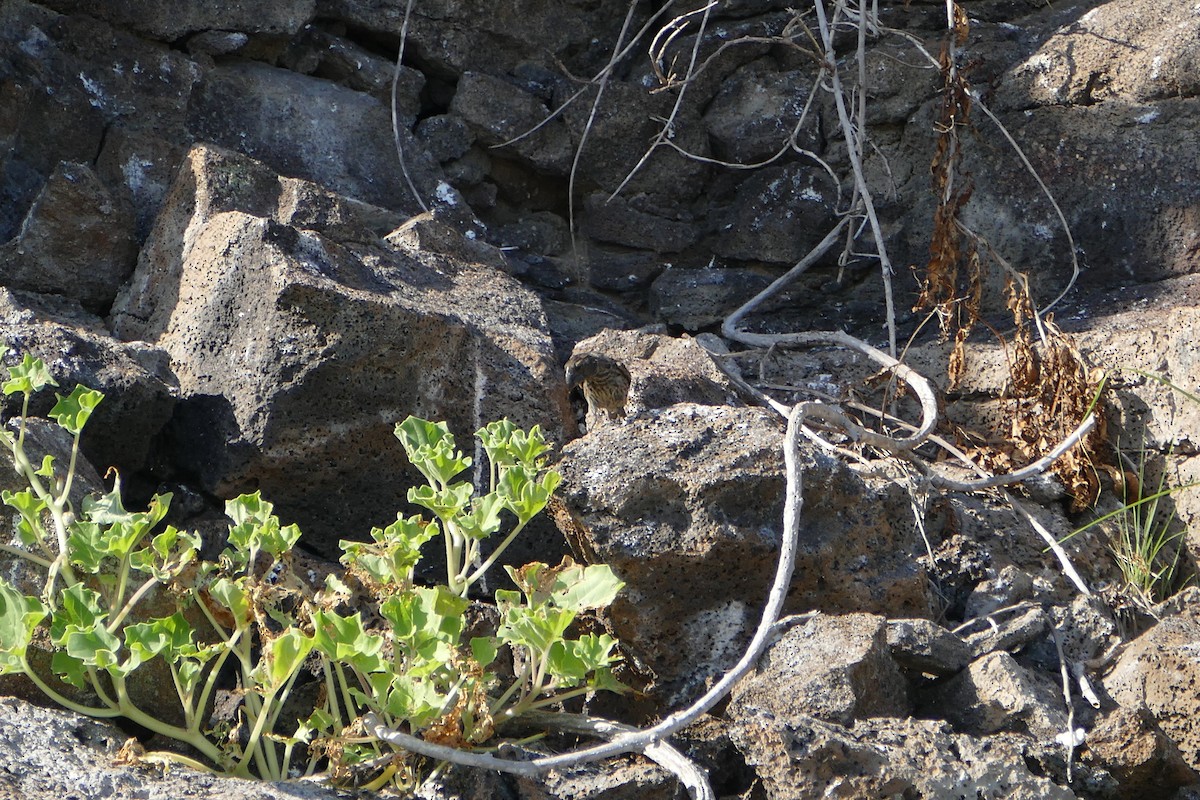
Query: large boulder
{"points": [[685, 503], [309, 128], [300, 338]]}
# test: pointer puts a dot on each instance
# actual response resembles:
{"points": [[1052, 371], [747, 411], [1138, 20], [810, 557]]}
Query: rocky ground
{"points": [[207, 214]]}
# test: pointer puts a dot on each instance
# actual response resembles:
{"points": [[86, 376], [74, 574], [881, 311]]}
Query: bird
{"points": [[605, 384]]}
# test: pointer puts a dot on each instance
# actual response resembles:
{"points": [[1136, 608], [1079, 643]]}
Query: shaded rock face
{"points": [[297, 349], [310, 128], [140, 388], [203, 214], [76, 240]]}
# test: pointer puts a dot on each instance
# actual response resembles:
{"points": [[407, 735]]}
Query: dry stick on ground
{"points": [[396, 114], [1022, 510], [853, 139], [641, 740]]}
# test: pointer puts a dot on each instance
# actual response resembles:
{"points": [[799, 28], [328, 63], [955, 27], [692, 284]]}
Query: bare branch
{"points": [[395, 112], [668, 129], [645, 739]]}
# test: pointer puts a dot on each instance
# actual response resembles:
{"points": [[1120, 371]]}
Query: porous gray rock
{"points": [[1129, 744], [1159, 320], [136, 379], [754, 115], [498, 111], [700, 297], [835, 668], [618, 140], [623, 221], [457, 36], [1126, 50], [621, 779], [995, 693], [49, 754], [620, 270], [320, 51], [82, 92], [297, 348], [891, 758], [685, 504], [1008, 587], [308, 128], [77, 240], [1158, 671], [1017, 627], [777, 214], [923, 646]]}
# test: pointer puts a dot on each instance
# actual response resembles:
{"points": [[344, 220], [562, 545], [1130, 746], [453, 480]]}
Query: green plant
{"points": [[1142, 540], [121, 590]]}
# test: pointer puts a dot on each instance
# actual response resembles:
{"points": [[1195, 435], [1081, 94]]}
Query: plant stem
{"points": [[16, 551], [137, 596], [78, 708], [491, 560]]}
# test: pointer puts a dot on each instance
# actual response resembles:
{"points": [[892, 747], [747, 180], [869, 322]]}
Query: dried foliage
{"points": [[950, 250], [1051, 389]]}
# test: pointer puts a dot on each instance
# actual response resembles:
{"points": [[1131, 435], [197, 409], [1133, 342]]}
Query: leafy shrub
{"points": [[372, 639]]}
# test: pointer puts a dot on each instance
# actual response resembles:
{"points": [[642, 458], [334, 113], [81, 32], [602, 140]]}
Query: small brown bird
{"points": [[605, 383]]}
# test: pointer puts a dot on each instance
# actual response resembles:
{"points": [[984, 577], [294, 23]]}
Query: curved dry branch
{"points": [[412, 187], [1026, 472], [643, 740], [667, 34], [668, 128]]}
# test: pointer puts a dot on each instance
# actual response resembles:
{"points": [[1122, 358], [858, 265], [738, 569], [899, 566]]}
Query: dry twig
{"points": [[395, 112], [641, 741]]}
